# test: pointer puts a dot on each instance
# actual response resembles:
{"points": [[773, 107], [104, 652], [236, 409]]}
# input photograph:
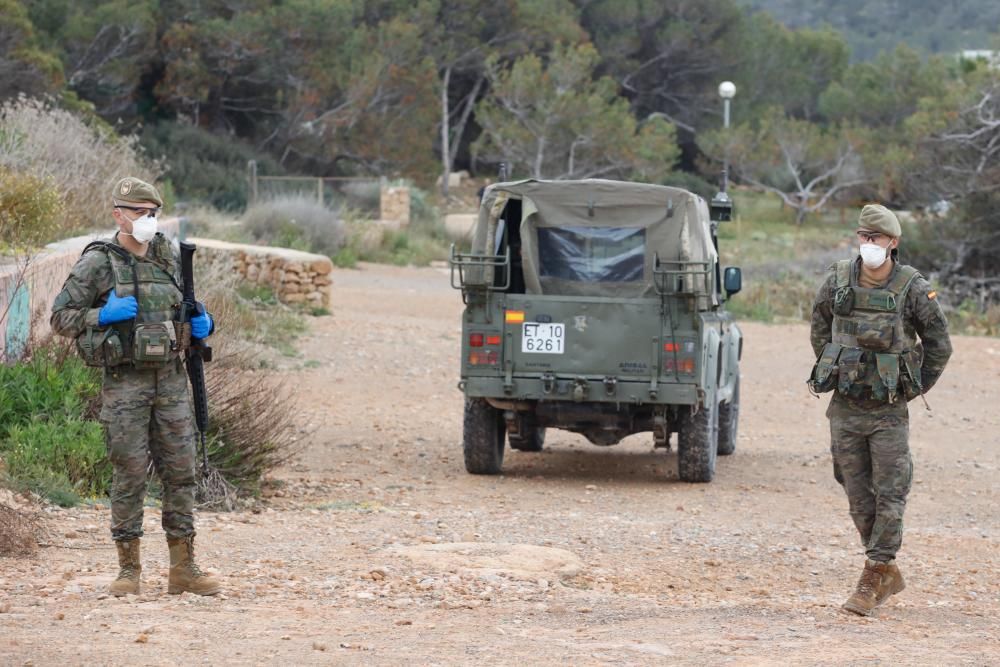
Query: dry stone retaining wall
{"points": [[296, 277]]}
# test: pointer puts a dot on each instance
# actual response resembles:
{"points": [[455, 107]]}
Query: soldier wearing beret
{"points": [[880, 340], [120, 304]]}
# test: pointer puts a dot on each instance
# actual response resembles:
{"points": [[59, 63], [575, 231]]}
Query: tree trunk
{"points": [[445, 133], [470, 103], [539, 157]]}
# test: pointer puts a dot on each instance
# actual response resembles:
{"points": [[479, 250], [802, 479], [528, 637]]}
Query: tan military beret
{"points": [[134, 191], [877, 218]]}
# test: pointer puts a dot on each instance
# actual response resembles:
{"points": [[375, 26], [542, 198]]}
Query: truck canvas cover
{"points": [[597, 237]]}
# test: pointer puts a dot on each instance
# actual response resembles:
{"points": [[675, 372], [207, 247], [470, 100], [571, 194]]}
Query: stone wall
{"points": [[395, 206], [296, 277]]}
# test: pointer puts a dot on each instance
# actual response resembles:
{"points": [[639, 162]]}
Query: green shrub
{"points": [[66, 454], [204, 166], [296, 222], [30, 209], [51, 385], [346, 257], [46, 441]]}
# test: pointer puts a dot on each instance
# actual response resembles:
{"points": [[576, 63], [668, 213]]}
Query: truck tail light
{"points": [[481, 339], [671, 347], [685, 366], [514, 316], [484, 358]]}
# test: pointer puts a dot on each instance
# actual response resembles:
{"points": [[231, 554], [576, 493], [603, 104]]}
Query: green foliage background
{"points": [[870, 26], [859, 99]]}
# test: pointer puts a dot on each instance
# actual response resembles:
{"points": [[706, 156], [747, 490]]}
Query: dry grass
{"points": [[82, 162]]}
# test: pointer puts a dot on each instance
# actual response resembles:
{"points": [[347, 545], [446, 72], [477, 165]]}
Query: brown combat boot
{"points": [[892, 583], [870, 585], [129, 568], [185, 575]]}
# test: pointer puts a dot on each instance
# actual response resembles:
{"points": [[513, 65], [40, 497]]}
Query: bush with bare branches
{"points": [[81, 160], [19, 529], [252, 417]]}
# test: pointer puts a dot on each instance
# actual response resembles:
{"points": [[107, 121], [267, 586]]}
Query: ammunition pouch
{"points": [[887, 366], [824, 372], [101, 347], [851, 370], [153, 344]]}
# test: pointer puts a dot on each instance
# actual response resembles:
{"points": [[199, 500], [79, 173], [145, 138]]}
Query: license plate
{"points": [[543, 338]]}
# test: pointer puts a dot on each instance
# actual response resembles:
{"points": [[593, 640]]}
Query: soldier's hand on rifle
{"points": [[117, 309], [202, 324]]}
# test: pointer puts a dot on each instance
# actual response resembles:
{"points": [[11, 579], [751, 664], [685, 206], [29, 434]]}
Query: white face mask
{"points": [[143, 229], [873, 255]]}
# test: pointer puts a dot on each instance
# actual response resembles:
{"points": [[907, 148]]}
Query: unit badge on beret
{"points": [[126, 187]]}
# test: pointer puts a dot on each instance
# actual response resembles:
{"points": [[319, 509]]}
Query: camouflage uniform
{"points": [[869, 434], [146, 411]]}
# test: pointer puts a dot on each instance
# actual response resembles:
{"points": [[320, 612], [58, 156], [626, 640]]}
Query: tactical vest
{"points": [[153, 339], [871, 356]]}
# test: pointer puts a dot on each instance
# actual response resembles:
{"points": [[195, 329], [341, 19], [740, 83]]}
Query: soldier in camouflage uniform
{"points": [[120, 304], [880, 340]]}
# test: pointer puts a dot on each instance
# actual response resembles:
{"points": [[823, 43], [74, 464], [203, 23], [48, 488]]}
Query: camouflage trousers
{"points": [[871, 460], [147, 417]]}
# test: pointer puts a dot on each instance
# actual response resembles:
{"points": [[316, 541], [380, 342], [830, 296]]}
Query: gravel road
{"points": [[375, 547]]}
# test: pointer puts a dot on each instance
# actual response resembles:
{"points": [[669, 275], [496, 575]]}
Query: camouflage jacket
{"points": [[922, 316], [86, 289]]}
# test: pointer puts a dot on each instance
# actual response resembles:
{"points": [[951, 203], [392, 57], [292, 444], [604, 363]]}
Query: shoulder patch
{"points": [[932, 294]]}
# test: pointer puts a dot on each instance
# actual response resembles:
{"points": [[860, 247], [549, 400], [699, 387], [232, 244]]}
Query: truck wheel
{"points": [[483, 436], [698, 443], [534, 436], [729, 421]]}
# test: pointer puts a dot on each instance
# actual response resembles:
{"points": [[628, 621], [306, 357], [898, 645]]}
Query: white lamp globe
{"points": [[727, 89]]}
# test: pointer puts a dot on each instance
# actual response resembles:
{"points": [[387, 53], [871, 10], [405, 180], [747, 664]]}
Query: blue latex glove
{"points": [[202, 324], [117, 309]]}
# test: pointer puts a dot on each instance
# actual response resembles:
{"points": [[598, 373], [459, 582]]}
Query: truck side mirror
{"points": [[733, 280]]}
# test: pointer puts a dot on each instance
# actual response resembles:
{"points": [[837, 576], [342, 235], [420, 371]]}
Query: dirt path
{"points": [[381, 550]]}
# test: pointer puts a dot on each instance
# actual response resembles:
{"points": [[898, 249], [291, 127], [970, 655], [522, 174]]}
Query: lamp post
{"points": [[727, 89]]}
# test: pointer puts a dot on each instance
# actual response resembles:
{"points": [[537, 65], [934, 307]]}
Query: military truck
{"points": [[595, 306]]}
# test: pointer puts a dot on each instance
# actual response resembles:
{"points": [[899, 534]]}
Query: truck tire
{"points": [[729, 421], [534, 436], [483, 437], [698, 443]]}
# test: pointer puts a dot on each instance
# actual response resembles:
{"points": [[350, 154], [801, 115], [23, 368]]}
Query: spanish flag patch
{"points": [[932, 295]]}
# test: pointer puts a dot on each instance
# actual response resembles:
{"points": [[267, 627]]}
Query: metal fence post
{"points": [[319, 191]]}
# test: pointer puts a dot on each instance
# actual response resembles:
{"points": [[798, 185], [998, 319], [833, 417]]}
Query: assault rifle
{"points": [[197, 352]]}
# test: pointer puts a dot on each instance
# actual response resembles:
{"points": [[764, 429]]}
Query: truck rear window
{"points": [[592, 254]]}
